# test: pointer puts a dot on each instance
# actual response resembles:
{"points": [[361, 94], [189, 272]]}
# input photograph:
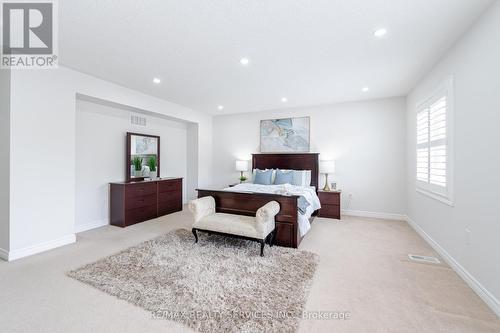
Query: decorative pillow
{"points": [[283, 177], [254, 171], [263, 177]]}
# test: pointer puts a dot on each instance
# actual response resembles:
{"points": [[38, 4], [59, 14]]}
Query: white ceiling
{"points": [[310, 51]]}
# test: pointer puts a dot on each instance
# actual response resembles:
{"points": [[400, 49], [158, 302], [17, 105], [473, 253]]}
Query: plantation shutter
{"points": [[423, 145], [437, 142], [432, 151]]}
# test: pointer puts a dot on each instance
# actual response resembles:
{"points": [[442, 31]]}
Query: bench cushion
{"points": [[230, 224], [258, 227]]}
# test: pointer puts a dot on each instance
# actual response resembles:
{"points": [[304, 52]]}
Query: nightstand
{"points": [[330, 204]]}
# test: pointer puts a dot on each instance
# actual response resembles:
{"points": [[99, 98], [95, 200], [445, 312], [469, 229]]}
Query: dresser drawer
{"points": [[170, 186], [169, 196], [172, 202], [141, 201], [140, 190], [330, 211], [141, 214], [168, 207], [329, 198]]}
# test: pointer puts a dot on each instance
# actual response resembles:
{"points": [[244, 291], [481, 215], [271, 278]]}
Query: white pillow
{"points": [[302, 177], [308, 177]]}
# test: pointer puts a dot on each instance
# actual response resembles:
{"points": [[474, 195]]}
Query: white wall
{"points": [[475, 64], [100, 149], [43, 150], [367, 140], [192, 158], [4, 160]]}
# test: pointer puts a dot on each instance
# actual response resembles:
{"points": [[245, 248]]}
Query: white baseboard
{"points": [[91, 225], [42, 247], [4, 254], [376, 215], [478, 288]]}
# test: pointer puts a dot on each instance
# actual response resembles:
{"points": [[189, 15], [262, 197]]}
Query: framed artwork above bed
{"points": [[285, 135]]}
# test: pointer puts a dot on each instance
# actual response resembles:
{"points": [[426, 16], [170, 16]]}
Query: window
{"points": [[434, 145]]}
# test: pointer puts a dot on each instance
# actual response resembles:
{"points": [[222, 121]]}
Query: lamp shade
{"points": [[327, 166], [241, 165]]}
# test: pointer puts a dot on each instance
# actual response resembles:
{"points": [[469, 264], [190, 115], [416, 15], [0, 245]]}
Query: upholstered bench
{"points": [[260, 228]]}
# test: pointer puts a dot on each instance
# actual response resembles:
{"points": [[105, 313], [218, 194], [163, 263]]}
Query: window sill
{"points": [[436, 196]]}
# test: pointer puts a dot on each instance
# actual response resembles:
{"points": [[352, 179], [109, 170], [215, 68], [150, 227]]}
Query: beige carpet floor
{"points": [[363, 270]]}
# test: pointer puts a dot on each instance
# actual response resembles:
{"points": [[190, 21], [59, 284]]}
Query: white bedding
{"points": [[308, 193]]}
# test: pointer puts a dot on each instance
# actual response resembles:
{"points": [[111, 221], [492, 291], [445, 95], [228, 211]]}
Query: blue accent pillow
{"points": [[263, 177], [283, 177]]}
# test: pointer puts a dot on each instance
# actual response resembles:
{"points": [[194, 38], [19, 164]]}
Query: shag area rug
{"points": [[220, 284]]}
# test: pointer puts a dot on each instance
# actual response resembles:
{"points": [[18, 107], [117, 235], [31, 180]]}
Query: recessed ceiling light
{"points": [[365, 89], [379, 33], [156, 80], [244, 61], [220, 107], [284, 99]]}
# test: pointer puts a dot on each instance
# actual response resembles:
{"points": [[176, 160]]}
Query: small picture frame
{"points": [[334, 185]]}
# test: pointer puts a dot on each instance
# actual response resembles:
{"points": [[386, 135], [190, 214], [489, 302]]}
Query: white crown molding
{"points": [[376, 215], [91, 225], [41, 247], [478, 288]]}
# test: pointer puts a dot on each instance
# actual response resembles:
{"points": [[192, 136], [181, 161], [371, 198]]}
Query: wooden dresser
{"points": [[134, 202], [330, 204]]}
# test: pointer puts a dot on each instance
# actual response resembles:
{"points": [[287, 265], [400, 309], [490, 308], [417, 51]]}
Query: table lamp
{"points": [[242, 166], [327, 167]]}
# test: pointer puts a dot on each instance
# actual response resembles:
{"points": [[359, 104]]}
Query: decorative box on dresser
{"points": [[330, 204], [134, 202]]}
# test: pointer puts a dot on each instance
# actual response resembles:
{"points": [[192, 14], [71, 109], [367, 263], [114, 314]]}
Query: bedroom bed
{"points": [[292, 223]]}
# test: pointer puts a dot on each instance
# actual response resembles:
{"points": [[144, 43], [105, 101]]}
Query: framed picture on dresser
{"points": [[285, 135]]}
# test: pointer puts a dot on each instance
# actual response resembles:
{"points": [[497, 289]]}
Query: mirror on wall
{"points": [[143, 156]]}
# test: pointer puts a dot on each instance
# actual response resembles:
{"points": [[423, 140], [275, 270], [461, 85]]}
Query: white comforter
{"points": [[309, 193]]}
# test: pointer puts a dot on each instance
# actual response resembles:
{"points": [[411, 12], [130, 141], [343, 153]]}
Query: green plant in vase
{"points": [[242, 179], [153, 164], [137, 163]]}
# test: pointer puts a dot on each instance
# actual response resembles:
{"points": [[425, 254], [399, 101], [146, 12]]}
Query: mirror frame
{"points": [[128, 156]]}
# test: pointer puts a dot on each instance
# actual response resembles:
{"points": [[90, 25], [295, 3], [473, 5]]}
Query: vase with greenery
{"points": [[137, 162], [152, 164], [242, 179]]}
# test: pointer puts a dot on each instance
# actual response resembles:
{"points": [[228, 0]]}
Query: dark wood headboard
{"points": [[296, 161]]}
